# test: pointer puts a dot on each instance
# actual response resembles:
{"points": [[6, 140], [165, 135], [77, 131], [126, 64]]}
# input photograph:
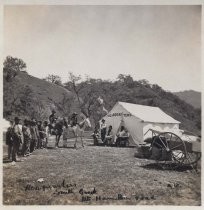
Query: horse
{"points": [[78, 130], [62, 128], [58, 131]]}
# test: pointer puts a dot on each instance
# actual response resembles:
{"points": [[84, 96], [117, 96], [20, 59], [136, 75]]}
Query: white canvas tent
{"points": [[5, 124], [138, 119]]}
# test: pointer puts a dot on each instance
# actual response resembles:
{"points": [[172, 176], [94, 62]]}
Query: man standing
{"points": [[74, 123], [34, 136], [27, 138], [9, 139], [103, 130], [41, 134], [37, 136], [17, 139], [46, 133]]}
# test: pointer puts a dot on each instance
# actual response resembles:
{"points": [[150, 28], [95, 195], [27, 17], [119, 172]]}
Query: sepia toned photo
{"points": [[101, 105]]}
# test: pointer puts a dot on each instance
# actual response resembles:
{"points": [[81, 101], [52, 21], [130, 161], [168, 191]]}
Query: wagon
{"points": [[171, 150]]}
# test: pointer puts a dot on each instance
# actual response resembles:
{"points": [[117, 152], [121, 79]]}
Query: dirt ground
{"points": [[95, 175]]}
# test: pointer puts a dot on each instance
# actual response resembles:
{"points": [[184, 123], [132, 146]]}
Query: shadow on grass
{"points": [[163, 166], [111, 145], [61, 147]]}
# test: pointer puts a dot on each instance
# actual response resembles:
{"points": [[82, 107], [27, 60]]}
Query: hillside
{"points": [[28, 96], [191, 97], [125, 89]]}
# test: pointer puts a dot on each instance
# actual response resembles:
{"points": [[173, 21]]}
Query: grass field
{"points": [[95, 175]]}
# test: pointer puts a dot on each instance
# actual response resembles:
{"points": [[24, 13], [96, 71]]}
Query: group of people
{"points": [[24, 137], [107, 136]]}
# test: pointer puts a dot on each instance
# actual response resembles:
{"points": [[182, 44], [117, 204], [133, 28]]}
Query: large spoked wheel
{"points": [[171, 150], [192, 159]]}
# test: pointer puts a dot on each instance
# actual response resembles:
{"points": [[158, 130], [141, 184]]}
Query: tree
{"points": [[65, 104], [144, 82], [55, 79], [86, 93], [39, 110], [17, 100], [74, 85], [126, 79], [198, 118], [157, 88], [12, 66]]}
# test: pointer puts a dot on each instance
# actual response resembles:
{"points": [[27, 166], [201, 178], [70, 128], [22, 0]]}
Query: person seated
{"points": [[95, 136], [122, 136], [109, 136]]}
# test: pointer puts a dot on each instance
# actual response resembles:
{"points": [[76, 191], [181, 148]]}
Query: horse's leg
{"points": [[82, 139], [75, 134], [75, 141], [58, 139], [55, 140], [64, 142]]}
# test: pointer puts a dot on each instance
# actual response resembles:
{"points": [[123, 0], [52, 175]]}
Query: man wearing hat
{"points": [[52, 117], [103, 130], [74, 119], [17, 138], [27, 137], [34, 135], [37, 134]]}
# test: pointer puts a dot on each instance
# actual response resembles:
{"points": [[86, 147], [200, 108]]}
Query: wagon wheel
{"points": [[172, 150], [192, 159]]}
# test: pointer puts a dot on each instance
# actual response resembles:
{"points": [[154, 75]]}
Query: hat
{"points": [[25, 121], [53, 111], [75, 113], [17, 119]]}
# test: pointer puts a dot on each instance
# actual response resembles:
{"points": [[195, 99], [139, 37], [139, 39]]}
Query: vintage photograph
{"points": [[101, 105]]}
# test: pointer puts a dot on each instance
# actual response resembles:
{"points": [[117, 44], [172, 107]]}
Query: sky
{"points": [[161, 44]]}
